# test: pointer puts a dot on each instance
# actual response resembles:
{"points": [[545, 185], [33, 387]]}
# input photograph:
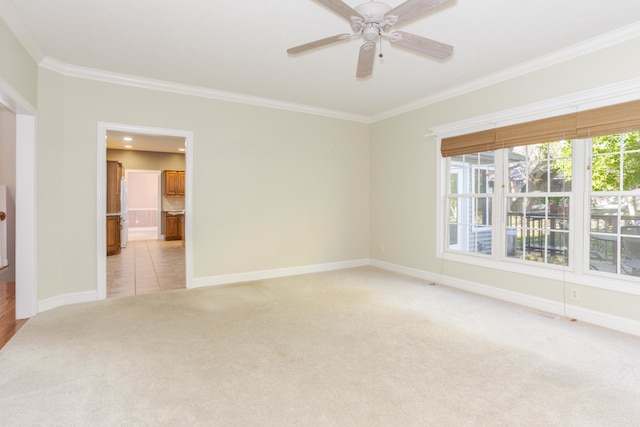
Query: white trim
{"points": [[612, 38], [16, 25], [14, 101], [67, 299], [599, 97], [101, 157], [26, 172], [226, 279], [606, 320], [586, 100], [183, 89], [26, 222]]}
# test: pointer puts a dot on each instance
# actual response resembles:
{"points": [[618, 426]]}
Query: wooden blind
{"points": [[597, 122]]}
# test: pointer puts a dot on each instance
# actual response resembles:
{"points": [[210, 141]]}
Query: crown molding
{"points": [[15, 23], [586, 100], [612, 38], [17, 26], [183, 89]]}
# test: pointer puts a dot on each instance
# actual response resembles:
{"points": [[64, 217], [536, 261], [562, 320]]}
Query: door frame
{"points": [[26, 232], [101, 204]]}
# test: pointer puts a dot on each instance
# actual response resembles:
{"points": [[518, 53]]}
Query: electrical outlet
{"points": [[381, 247], [575, 294], [275, 252]]}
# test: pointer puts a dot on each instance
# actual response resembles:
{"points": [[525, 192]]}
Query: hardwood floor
{"points": [[8, 323]]}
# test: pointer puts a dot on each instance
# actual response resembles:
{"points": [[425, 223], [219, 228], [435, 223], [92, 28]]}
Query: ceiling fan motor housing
{"points": [[374, 20]]}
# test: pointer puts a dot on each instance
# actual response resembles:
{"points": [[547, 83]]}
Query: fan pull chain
{"points": [[380, 54]]}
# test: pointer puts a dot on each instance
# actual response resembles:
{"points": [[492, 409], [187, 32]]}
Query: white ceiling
{"points": [[238, 48], [144, 142]]}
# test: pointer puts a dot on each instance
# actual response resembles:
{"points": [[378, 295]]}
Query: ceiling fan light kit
{"points": [[374, 20]]}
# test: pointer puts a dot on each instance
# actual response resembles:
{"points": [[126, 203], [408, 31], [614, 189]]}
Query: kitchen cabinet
{"points": [[182, 228], [114, 175], [172, 226], [173, 183], [113, 234]]}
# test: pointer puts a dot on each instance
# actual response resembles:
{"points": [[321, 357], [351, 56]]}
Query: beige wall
{"points": [[8, 178], [147, 160], [17, 68], [403, 174], [263, 179], [316, 189]]}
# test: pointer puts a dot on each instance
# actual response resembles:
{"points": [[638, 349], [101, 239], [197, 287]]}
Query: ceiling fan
{"points": [[375, 20]]}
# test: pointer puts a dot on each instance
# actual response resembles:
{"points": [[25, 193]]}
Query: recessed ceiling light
{"points": [[128, 138]]}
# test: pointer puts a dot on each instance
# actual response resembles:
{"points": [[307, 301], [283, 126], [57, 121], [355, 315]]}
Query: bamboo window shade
{"points": [[584, 124]]}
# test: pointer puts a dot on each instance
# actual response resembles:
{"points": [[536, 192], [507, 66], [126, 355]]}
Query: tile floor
{"points": [[145, 265]]}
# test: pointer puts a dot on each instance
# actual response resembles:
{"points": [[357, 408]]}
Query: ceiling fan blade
{"points": [[365, 60], [341, 8], [312, 45], [411, 8], [421, 44]]}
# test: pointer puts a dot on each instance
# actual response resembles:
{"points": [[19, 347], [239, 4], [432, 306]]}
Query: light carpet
{"points": [[356, 347]]}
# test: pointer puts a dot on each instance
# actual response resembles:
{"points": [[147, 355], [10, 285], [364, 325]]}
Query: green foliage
{"points": [[609, 154]]}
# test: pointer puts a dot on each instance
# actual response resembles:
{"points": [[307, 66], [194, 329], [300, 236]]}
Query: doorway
{"points": [[152, 256], [18, 157], [142, 210]]}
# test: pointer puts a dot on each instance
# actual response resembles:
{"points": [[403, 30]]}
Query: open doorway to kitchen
{"points": [[142, 205], [135, 256]]}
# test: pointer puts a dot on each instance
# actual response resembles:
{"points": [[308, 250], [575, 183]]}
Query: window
{"points": [[614, 204], [538, 200], [470, 202], [569, 203]]}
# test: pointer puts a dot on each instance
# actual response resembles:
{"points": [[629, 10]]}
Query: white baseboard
{"points": [[605, 320], [226, 279], [66, 299]]}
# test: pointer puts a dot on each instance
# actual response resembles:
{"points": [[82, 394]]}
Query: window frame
{"points": [[577, 271]]}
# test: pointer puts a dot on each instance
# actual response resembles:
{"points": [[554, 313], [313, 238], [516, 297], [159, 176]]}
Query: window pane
{"points": [[631, 161], [471, 180], [538, 203], [631, 254], [615, 212], [517, 173], [537, 177], [454, 183], [605, 174], [603, 252], [483, 211], [469, 224], [604, 214]]}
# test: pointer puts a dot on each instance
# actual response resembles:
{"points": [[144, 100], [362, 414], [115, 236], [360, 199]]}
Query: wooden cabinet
{"points": [[114, 175], [182, 228], [173, 183], [172, 226], [113, 234]]}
